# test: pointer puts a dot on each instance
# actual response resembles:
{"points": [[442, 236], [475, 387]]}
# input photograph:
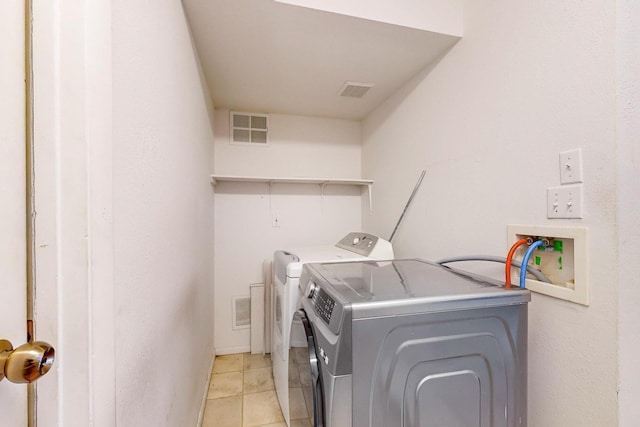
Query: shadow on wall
{"points": [[285, 189], [377, 117], [203, 80]]}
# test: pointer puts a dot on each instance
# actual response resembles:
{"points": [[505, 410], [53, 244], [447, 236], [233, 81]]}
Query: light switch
{"points": [[571, 166], [564, 201]]}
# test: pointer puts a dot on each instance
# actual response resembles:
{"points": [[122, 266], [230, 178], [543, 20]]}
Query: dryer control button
{"points": [[356, 240]]}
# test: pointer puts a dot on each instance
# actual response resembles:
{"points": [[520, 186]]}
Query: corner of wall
{"points": [[628, 206]]}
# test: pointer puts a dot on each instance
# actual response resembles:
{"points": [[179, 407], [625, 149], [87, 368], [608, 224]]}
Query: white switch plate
{"points": [[571, 166], [564, 201]]}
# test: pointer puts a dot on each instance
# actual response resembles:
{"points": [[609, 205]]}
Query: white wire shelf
{"points": [[289, 180]]}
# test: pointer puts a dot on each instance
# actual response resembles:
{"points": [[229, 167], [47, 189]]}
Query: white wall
{"points": [[299, 146], [163, 213], [628, 132], [442, 16], [527, 81]]}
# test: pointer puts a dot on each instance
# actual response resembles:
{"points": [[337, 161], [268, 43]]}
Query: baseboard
{"points": [[233, 350], [203, 405]]}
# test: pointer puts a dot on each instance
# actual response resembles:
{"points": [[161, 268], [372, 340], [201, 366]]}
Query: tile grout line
{"points": [[245, 366]]}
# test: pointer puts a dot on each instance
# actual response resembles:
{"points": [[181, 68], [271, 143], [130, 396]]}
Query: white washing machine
{"points": [[287, 267]]}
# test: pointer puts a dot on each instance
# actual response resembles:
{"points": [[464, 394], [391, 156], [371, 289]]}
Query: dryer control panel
{"points": [[366, 244]]}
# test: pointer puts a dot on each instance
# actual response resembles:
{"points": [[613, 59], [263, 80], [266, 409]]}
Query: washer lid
{"points": [[407, 286], [352, 247], [292, 260]]}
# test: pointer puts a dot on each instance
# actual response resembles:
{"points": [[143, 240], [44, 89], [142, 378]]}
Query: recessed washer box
{"points": [[564, 262]]}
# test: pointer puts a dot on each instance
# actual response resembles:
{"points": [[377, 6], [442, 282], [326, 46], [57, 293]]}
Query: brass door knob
{"points": [[26, 363]]}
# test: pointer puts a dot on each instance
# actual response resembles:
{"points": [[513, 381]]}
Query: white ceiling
{"points": [[269, 57]]}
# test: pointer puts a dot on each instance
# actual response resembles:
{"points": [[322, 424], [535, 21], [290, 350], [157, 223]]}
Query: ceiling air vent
{"points": [[249, 128], [355, 89]]}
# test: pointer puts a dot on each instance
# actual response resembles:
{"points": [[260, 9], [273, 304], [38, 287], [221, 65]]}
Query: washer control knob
{"points": [[311, 290], [356, 240]]}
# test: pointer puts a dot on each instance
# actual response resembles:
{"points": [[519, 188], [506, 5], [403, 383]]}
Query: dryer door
{"points": [[306, 397]]}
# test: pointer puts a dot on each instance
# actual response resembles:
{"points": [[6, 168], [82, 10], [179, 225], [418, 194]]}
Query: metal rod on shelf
{"points": [[415, 190]]}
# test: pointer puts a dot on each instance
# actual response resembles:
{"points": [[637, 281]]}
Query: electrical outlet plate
{"points": [[571, 166], [567, 268], [564, 201]]}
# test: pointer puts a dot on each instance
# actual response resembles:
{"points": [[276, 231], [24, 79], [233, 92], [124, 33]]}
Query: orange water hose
{"points": [[512, 251]]}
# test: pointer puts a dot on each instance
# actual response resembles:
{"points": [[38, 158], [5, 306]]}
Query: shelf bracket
{"points": [[324, 184], [369, 191], [270, 198]]}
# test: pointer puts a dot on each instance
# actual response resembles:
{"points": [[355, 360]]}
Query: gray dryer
{"points": [[413, 343]]}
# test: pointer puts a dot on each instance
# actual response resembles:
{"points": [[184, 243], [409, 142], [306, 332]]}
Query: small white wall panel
{"points": [[257, 318]]}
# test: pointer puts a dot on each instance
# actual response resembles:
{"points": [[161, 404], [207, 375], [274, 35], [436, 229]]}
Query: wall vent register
{"points": [[249, 128], [241, 308]]}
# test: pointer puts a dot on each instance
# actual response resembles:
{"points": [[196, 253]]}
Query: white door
{"points": [[72, 244], [29, 361], [13, 397], [73, 229], [71, 131]]}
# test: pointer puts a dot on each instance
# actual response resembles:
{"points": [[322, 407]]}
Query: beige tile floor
{"points": [[242, 393]]}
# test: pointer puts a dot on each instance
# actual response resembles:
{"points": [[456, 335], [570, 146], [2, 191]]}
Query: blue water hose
{"points": [[525, 261]]}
